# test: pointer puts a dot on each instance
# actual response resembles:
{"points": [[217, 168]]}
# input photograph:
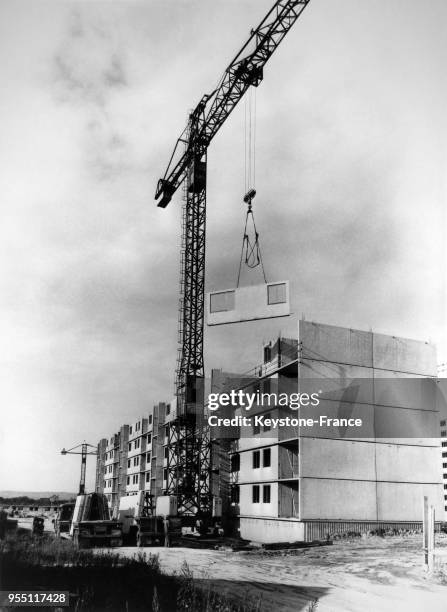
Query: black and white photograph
{"points": [[223, 305]]}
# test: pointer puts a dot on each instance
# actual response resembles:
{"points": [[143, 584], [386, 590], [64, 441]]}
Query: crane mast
{"points": [[188, 463]]}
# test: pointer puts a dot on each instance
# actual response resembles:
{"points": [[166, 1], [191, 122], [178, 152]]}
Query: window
{"points": [[256, 459], [222, 301], [104, 484], [166, 452], [266, 457], [267, 427], [128, 463], [444, 454], [443, 423], [129, 447], [267, 353], [148, 457], [165, 474], [444, 476], [234, 495], [444, 465], [136, 460], [168, 409], [137, 443], [138, 426], [150, 419], [266, 494], [276, 294], [128, 480], [255, 494], [444, 444], [167, 432], [135, 478], [235, 463], [148, 476], [130, 429], [445, 486], [443, 434]]}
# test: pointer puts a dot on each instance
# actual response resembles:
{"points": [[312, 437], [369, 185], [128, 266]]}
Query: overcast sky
{"points": [[351, 170]]}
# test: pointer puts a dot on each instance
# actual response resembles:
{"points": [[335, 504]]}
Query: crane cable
{"points": [[250, 246]]}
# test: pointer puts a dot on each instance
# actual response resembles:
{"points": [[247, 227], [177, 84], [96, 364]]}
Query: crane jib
{"points": [[244, 70]]}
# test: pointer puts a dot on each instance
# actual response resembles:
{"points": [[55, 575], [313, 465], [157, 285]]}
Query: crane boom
{"points": [[188, 443], [244, 70]]}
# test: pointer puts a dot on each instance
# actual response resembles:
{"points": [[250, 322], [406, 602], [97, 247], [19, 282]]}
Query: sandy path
{"points": [[380, 575]]}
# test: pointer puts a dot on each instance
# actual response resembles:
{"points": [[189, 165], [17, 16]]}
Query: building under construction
{"points": [[287, 483]]}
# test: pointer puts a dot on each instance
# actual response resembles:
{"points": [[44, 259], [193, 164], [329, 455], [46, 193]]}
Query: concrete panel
{"points": [[336, 381], [248, 303], [337, 459], [336, 344], [402, 425], [339, 410], [405, 390], [337, 499], [403, 502], [267, 531], [246, 505], [248, 473], [403, 355], [400, 463]]}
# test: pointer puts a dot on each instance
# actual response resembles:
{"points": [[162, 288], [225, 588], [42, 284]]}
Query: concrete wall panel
{"points": [[337, 499], [248, 304], [266, 531], [403, 502], [336, 381], [250, 474], [401, 424], [246, 505], [405, 390], [403, 355], [337, 459], [407, 463], [335, 344], [339, 410]]}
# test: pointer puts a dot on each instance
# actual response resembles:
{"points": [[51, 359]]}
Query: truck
{"points": [[145, 526], [91, 525], [62, 522]]}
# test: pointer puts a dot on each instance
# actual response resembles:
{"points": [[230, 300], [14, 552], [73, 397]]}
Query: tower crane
{"points": [[83, 450], [188, 442]]}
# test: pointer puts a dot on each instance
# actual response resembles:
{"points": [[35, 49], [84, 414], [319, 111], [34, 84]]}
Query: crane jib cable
{"points": [[251, 249]]}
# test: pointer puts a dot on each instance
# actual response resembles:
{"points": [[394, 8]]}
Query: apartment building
{"points": [[111, 465], [291, 484], [132, 459]]}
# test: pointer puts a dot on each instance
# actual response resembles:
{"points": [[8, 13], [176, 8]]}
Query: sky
{"points": [[350, 206]]}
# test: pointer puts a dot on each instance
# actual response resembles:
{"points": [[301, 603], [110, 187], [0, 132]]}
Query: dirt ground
{"points": [[364, 574]]}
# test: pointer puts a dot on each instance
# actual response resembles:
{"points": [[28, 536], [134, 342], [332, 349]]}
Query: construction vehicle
{"points": [[145, 526], [91, 525], [62, 522], [189, 445]]}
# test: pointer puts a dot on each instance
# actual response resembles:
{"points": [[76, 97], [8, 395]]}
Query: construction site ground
{"points": [[363, 574]]}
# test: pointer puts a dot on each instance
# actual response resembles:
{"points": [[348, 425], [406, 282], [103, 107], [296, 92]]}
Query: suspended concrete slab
{"points": [[264, 301]]}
